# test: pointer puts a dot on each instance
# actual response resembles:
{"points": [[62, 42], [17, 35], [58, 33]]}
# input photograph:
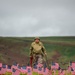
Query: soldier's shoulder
{"points": [[33, 43], [40, 43]]}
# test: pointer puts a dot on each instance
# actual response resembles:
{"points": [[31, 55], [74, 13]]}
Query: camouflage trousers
{"points": [[38, 58]]}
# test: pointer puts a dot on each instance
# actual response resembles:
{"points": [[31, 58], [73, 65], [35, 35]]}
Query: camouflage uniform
{"points": [[37, 50]]}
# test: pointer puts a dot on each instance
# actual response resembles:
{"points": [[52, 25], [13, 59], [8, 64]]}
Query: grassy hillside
{"points": [[59, 49]]}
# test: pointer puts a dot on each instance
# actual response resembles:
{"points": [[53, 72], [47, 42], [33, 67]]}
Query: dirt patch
{"points": [[10, 52], [55, 57]]}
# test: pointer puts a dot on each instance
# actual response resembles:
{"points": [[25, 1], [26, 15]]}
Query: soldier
{"points": [[37, 51]]}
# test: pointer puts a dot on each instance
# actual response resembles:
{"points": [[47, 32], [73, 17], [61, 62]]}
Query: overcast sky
{"points": [[37, 18]]}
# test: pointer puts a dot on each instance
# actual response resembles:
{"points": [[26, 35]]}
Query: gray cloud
{"points": [[37, 18]]}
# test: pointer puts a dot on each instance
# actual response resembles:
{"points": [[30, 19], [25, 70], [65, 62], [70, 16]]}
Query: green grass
{"points": [[65, 46], [34, 73]]}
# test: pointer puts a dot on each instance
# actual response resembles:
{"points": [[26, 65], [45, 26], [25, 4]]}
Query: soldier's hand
{"points": [[30, 56], [45, 53]]}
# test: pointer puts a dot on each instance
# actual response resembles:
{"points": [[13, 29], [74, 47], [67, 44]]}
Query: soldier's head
{"points": [[37, 39]]}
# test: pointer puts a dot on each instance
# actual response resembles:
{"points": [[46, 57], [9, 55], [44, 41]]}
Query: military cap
{"points": [[36, 38]]}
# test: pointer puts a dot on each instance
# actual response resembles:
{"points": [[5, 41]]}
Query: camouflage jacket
{"points": [[37, 48]]}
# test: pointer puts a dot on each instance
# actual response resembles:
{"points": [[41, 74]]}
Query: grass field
{"points": [[59, 49]]}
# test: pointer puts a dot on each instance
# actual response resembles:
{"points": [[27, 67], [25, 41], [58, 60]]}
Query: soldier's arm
{"points": [[43, 49], [31, 50]]}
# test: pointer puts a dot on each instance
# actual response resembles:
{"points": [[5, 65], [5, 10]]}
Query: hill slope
{"points": [[59, 49]]}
